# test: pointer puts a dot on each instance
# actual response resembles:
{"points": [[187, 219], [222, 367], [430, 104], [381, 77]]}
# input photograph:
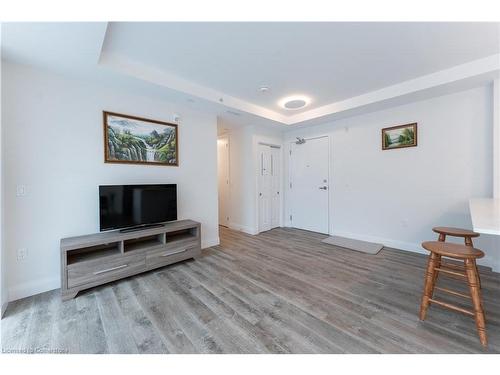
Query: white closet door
{"points": [[275, 187]]}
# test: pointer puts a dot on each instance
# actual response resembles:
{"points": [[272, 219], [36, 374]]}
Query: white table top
{"points": [[485, 213]]}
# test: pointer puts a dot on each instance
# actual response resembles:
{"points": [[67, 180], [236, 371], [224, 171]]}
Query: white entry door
{"points": [[223, 179], [269, 187], [309, 164]]}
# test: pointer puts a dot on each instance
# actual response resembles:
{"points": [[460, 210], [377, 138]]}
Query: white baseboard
{"points": [[33, 287], [243, 228], [210, 242], [39, 286], [406, 246], [44, 285], [387, 242]]}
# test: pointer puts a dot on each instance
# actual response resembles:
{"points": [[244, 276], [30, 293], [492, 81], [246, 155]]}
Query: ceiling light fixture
{"points": [[264, 89], [294, 102]]}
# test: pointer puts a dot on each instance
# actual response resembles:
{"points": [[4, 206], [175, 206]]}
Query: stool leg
{"points": [[429, 284], [475, 292], [468, 242], [478, 278], [436, 273]]}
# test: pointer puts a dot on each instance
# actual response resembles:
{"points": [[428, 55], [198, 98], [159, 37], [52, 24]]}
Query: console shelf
{"points": [[179, 236], [95, 259], [144, 243], [92, 253]]}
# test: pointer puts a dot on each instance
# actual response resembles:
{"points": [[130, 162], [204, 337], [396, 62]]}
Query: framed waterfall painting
{"points": [[137, 140], [399, 136]]}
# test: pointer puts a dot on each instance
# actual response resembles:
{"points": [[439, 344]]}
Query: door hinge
{"points": [[290, 185], [290, 152], [290, 217]]}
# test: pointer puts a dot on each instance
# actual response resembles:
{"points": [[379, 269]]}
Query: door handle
{"points": [[323, 188]]}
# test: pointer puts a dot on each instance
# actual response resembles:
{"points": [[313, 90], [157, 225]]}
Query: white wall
{"points": [[496, 138], [3, 268], [395, 197], [243, 141], [54, 145]]}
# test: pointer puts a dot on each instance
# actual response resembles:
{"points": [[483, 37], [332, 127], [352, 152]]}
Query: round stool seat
{"points": [[455, 232], [452, 250]]}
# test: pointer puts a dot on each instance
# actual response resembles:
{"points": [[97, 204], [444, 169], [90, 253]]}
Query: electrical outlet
{"points": [[20, 190], [22, 254]]}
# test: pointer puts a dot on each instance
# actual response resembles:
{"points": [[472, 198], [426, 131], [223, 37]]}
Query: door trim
{"points": [[228, 192], [290, 182], [257, 171]]}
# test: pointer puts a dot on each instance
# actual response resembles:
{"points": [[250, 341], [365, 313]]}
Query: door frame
{"points": [[228, 193], [257, 173], [330, 181]]}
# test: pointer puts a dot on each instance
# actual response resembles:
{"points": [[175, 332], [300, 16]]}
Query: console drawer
{"points": [[106, 270], [169, 256]]}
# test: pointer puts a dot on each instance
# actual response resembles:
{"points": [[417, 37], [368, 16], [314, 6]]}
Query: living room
{"points": [[208, 187]]}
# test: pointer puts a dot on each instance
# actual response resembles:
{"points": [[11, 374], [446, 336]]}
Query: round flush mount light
{"points": [[294, 102], [264, 89]]}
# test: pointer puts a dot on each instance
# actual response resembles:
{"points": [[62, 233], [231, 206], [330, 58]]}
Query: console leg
{"points": [[66, 296]]}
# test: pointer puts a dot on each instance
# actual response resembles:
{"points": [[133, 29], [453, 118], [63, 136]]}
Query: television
{"points": [[131, 207]]}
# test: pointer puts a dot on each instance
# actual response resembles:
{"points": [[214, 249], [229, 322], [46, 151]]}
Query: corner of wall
{"points": [[4, 294], [210, 242], [4, 308], [33, 287], [243, 228]]}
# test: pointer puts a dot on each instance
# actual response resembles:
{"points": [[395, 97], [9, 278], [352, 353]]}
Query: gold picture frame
{"points": [[137, 140], [400, 136]]}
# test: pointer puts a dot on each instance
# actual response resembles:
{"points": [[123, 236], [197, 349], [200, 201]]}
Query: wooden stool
{"points": [[468, 255], [466, 234]]}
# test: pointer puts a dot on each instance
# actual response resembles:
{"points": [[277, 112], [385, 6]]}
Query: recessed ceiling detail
{"points": [[346, 65], [350, 67]]}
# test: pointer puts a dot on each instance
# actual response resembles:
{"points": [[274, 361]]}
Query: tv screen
{"points": [[123, 206]]}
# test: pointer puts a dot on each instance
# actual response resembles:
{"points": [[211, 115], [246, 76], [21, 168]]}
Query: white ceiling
{"points": [[343, 67], [68, 46], [328, 62]]}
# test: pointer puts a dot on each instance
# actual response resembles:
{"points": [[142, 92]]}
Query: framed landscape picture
{"points": [[399, 136], [136, 140]]}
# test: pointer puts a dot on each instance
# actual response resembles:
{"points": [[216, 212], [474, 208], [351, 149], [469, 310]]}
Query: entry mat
{"points": [[357, 245]]}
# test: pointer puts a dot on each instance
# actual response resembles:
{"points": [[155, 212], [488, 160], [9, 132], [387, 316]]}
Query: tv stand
{"points": [[96, 259], [141, 227]]}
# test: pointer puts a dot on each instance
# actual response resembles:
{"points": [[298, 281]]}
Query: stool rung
{"points": [[452, 292], [451, 307], [441, 269], [453, 266]]}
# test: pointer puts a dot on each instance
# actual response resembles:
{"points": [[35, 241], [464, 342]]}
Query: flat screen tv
{"points": [[136, 206]]}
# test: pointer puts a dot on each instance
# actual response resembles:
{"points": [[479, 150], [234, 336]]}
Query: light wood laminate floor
{"points": [[282, 291]]}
